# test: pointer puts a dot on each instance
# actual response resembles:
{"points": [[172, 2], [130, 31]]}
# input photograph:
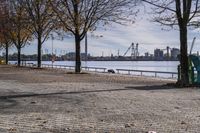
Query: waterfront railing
{"points": [[161, 74], [144, 72], [95, 69], [58, 66]]}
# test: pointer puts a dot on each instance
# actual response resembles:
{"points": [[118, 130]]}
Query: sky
{"points": [[148, 35]]}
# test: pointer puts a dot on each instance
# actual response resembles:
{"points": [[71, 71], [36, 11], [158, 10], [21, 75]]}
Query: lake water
{"points": [[166, 66]]}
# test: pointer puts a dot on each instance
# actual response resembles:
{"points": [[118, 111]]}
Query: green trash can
{"points": [[194, 65], [191, 71]]}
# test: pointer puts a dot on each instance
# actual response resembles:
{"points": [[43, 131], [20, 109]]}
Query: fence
{"points": [[141, 73], [95, 69], [163, 74]]}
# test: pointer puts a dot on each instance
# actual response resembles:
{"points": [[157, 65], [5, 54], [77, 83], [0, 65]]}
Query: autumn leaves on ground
{"points": [[55, 101]]}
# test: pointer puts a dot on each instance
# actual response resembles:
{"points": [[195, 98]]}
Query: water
{"points": [[165, 66]]}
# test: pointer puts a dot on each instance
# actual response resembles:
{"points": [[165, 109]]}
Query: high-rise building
{"points": [[158, 54], [174, 53], [146, 54]]}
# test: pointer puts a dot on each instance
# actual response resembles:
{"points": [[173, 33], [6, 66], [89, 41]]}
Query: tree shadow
{"points": [[7, 103], [128, 88], [154, 87]]}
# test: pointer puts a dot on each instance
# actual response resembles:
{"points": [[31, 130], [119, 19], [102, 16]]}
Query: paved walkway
{"points": [[50, 101]]}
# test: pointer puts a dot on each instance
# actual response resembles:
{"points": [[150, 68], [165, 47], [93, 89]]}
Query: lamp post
{"points": [[86, 47], [52, 58], [86, 44]]}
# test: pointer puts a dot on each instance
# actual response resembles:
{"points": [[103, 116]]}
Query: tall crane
{"points": [[132, 46], [194, 39], [134, 50]]}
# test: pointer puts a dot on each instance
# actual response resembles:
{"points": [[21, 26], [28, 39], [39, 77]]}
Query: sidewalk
{"points": [[50, 101]]}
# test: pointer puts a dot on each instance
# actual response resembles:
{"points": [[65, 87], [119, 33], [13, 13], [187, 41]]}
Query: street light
{"points": [[86, 47], [52, 58], [86, 43]]}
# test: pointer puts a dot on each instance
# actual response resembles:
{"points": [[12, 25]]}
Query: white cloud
{"points": [[149, 36]]}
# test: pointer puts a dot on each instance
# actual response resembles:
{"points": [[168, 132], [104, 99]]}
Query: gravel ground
{"points": [[55, 101]]}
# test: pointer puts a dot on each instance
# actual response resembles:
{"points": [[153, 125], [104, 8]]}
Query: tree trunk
{"points": [[19, 57], [78, 52], [184, 56], [6, 53], [39, 51]]}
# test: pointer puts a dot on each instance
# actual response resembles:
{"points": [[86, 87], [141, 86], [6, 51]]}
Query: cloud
{"points": [[117, 37], [148, 35]]}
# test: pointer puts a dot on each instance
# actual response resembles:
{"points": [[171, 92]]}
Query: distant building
{"points": [[111, 56], [174, 53], [158, 54], [146, 54], [72, 56], [84, 55]]}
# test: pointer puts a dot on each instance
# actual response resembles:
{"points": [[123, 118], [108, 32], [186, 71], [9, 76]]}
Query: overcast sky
{"points": [[117, 37]]}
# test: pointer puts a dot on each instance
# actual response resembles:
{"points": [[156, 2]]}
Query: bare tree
{"points": [[41, 18], [179, 14], [79, 16], [18, 25]]}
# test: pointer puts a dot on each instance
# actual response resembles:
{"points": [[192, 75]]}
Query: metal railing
{"points": [[58, 66], [104, 70], [95, 69], [141, 72]]}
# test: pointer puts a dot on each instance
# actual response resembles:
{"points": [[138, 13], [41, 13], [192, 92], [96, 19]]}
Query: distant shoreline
{"points": [[103, 60]]}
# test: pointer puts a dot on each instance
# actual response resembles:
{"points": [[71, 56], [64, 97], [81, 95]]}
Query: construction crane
{"points": [[194, 39], [134, 50], [131, 47]]}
